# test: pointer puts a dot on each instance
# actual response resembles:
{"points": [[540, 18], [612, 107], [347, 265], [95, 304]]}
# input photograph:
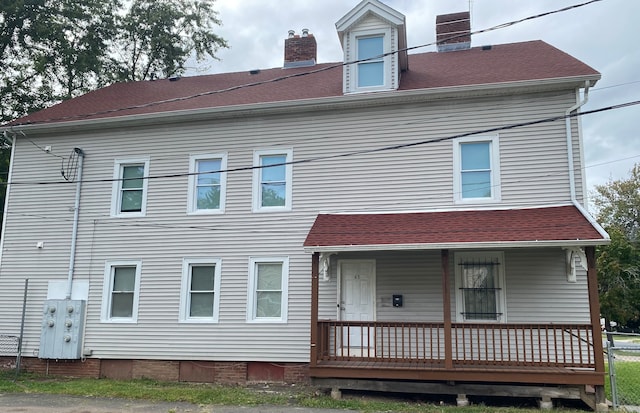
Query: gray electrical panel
{"points": [[62, 329]]}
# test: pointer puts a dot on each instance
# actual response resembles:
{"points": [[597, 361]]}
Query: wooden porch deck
{"points": [[506, 353]]}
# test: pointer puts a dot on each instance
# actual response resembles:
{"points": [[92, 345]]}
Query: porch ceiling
{"points": [[531, 227]]}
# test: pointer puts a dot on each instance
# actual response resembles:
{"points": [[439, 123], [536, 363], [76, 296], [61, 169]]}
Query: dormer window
{"points": [[374, 41], [371, 70]]}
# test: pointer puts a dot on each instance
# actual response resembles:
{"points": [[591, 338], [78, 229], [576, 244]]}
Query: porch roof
{"points": [[531, 227]]}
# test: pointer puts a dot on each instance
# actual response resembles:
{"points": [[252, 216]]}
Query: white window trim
{"points": [[501, 301], [185, 296], [251, 290], [495, 169], [387, 60], [257, 174], [192, 204], [116, 193], [105, 316]]}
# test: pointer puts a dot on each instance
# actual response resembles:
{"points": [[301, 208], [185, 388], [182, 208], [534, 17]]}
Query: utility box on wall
{"points": [[62, 329]]}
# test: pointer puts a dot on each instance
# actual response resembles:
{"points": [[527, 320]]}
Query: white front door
{"points": [[357, 303]]}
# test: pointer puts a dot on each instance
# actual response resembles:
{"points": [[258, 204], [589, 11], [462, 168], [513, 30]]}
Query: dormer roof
{"points": [[380, 10]]}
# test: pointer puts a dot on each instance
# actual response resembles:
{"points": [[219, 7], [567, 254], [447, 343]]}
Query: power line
{"points": [[359, 152], [311, 72]]}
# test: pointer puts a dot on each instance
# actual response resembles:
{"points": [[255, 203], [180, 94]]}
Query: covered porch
{"points": [[464, 349]]}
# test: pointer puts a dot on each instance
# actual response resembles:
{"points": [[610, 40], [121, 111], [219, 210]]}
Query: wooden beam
{"points": [[594, 307], [446, 310], [522, 376], [478, 389], [315, 265]]}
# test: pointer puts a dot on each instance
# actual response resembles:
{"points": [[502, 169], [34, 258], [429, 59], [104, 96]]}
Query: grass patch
{"points": [[628, 382], [209, 394]]}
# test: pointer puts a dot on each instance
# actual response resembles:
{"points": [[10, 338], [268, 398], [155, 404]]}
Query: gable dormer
{"points": [[373, 36]]}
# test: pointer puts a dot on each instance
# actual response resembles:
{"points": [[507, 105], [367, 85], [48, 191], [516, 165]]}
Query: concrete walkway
{"points": [[53, 403]]}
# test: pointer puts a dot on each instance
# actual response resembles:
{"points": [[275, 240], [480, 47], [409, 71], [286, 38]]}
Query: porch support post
{"points": [[594, 307], [315, 265], [446, 309]]}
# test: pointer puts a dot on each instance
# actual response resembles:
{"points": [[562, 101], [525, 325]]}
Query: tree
{"points": [[156, 37], [54, 50], [618, 205]]}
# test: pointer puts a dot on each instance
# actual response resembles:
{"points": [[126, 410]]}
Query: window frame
{"points": [[257, 180], [107, 290], [192, 201], [185, 291], [501, 293], [252, 295], [117, 189], [494, 173], [386, 60]]}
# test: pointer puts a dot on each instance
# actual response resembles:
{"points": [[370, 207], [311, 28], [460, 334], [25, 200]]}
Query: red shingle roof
{"points": [[564, 223], [534, 60]]}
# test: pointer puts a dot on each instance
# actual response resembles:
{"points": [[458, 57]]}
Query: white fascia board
{"points": [[289, 106], [374, 6], [592, 220], [457, 245]]}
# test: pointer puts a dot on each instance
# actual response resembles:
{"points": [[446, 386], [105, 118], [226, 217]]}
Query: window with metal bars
{"points": [[479, 285]]}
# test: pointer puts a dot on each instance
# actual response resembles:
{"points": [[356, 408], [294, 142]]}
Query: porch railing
{"points": [[472, 344]]}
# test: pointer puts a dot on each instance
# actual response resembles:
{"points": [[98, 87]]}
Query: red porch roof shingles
{"points": [[564, 223], [525, 61]]}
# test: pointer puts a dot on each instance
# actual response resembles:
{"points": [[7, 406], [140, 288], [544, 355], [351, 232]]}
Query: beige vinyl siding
{"points": [[537, 290], [533, 168], [541, 293]]}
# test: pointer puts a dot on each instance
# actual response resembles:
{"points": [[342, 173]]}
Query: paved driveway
{"points": [[37, 403]]}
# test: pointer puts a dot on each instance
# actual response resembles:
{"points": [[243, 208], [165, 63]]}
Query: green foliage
{"points": [[206, 394], [52, 50], [156, 37], [618, 204]]}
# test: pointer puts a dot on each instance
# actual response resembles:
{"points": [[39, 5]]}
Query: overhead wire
{"points": [[307, 73], [356, 152]]}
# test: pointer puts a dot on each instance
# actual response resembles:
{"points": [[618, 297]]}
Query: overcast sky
{"points": [[604, 35]]}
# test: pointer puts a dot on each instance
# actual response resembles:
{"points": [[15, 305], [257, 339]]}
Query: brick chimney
{"points": [[300, 50], [453, 31]]}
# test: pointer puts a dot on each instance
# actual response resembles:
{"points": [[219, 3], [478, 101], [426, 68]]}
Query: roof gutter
{"points": [[457, 245]]}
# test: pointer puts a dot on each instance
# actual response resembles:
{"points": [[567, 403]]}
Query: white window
{"points": [[476, 165], [272, 176], [200, 298], [268, 294], [120, 291], [480, 286], [371, 70], [129, 196], [207, 183]]}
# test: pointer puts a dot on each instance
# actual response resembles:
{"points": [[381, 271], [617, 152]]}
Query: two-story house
{"points": [[393, 221]]}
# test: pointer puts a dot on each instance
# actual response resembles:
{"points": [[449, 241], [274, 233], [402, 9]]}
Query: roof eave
{"points": [[457, 245], [341, 101]]}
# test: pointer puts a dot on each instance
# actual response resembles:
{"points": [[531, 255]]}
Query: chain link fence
{"points": [[623, 355]]}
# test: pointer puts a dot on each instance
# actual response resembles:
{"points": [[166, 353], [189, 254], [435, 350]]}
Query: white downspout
{"points": [[76, 216], [572, 175], [12, 141], [567, 120]]}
